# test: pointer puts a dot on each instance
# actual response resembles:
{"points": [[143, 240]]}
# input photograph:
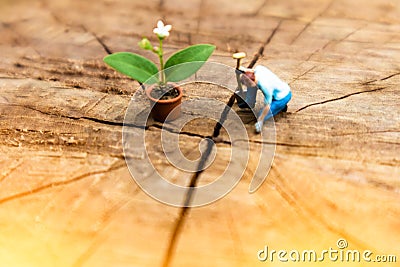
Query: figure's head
{"points": [[248, 79]]}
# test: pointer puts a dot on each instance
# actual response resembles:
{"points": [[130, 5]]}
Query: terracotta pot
{"points": [[164, 108]]}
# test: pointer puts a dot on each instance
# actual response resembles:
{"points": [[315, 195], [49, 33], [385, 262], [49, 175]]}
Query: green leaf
{"points": [[134, 66], [197, 55]]}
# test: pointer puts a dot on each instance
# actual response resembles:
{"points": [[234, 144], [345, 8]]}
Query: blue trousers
{"points": [[275, 107]]}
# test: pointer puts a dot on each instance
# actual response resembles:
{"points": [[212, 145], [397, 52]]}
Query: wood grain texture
{"points": [[67, 197]]}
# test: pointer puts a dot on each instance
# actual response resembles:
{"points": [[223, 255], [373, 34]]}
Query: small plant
{"points": [[144, 70]]}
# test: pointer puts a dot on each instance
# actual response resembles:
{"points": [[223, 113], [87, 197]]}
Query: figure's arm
{"points": [[263, 113], [260, 120], [267, 101]]}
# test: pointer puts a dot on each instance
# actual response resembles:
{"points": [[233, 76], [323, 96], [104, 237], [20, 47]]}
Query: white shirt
{"points": [[271, 86]]}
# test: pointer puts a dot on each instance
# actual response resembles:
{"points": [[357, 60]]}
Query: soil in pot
{"points": [[164, 92], [166, 101]]}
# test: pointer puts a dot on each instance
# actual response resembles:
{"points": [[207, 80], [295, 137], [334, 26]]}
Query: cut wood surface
{"points": [[67, 197]]}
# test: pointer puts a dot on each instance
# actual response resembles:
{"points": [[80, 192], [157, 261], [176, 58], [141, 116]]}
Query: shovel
{"points": [[240, 94]]}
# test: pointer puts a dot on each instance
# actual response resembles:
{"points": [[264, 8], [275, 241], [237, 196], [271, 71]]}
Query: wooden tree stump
{"points": [[67, 197]]}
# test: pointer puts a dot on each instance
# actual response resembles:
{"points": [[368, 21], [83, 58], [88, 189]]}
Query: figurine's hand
{"points": [[258, 126]]}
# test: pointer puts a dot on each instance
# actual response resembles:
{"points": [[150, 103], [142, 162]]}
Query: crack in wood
{"points": [[316, 51], [305, 35], [303, 74], [279, 143], [122, 124], [186, 208], [389, 143], [261, 49], [301, 32], [10, 169], [73, 77], [95, 104], [193, 182], [382, 79], [351, 33], [106, 122], [174, 237], [98, 39], [210, 143], [216, 140], [311, 22], [390, 76], [171, 130], [60, 183], [369, 132], [339, 98], [256, 12]]}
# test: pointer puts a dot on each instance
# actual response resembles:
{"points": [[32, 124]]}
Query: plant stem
{"points": [[160, 55]]}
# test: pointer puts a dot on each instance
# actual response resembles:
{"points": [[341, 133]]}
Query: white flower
{"points": [[161, 30]]}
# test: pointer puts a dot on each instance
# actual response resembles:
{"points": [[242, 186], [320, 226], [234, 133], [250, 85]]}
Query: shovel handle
{"points": [[238, 57]]}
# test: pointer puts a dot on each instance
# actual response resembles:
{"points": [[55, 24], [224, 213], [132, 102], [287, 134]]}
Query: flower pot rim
{"points": [[151, 87]]}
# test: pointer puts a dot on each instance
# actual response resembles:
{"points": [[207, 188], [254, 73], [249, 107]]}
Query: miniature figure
{"points": [[276, 93]]}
